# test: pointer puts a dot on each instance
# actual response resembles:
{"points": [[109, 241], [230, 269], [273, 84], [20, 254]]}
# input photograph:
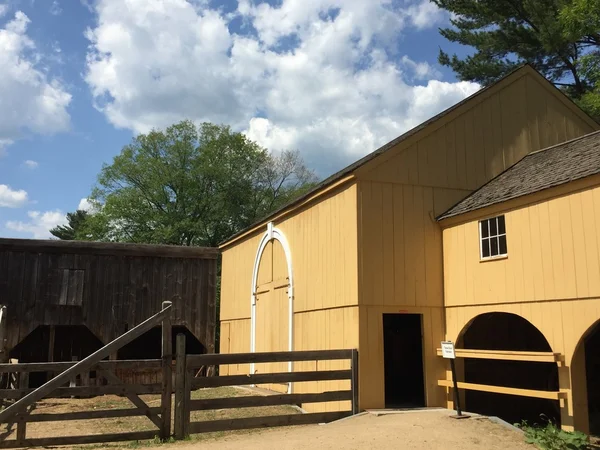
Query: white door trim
{"points": [[273, 233]]}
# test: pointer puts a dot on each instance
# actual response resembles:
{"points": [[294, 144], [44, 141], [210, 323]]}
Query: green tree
{"points": [[74, 228], [559, 38], [191, 185]]}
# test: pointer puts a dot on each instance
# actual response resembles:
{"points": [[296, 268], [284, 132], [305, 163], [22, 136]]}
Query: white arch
{"points": [[272, 233]]}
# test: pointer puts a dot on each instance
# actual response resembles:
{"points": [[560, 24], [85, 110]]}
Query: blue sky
{"points": [[333, 79]]}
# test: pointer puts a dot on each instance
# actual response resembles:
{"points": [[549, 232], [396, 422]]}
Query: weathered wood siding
{"points": [[401, 192], [109, 288]]}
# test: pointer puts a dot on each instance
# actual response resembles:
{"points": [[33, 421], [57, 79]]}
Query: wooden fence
{"points": [[186, 365], [19, 412]]}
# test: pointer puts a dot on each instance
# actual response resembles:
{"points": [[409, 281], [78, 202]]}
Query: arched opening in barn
{"points": [[585, 374], [505, 331], [55, 343]]}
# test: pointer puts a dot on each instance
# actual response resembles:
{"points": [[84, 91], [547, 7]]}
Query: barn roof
{"points": [[546, 168], [106, 248], [348, 171]]}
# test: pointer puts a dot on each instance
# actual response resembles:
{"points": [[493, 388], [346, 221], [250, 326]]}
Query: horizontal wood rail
{"points": [[265, 378], [194, 361], [507, 355], [62, 366], [266, 421], [186, 366], [78, 440], [80, 391], [550, 395], [85, 415], [269, 400]]}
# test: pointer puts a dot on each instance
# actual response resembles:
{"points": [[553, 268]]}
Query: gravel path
{"points": [[430, 429]]}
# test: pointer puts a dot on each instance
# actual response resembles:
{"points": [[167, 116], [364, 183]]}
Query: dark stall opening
{"points": [[149, 344], [505, 331], [49, 343], [403, 361], [592, 376]]}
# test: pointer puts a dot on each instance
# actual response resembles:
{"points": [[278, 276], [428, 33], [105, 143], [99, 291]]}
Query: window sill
{"points": [[493, 258]]}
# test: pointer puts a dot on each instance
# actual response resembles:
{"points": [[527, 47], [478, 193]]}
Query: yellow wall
{"points": [[322, 239], [401, 192], [551, 275]]}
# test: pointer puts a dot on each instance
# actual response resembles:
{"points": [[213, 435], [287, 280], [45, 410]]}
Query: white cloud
{"points": [[3, 9], [55, 8], [10, 198], [85, 205], [30, 164], [325, 77], [39, 224], [32, 101]]}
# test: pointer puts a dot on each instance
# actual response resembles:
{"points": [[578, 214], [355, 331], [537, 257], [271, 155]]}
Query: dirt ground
{"points": [[431, 430]]}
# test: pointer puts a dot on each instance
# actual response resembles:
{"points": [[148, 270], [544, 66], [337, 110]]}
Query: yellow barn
{"points": [[359, 261]]}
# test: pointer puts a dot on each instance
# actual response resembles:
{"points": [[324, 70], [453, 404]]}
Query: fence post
{"points": [[21, 418], [187, 394], [167, 375], [354, 367], [180, 375]]}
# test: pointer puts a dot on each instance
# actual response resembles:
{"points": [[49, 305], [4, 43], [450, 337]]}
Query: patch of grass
{"points": [[551, 437]]}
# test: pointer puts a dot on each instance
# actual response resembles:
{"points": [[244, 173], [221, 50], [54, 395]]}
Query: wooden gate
{"points": [[19, 412], [185, 382]]}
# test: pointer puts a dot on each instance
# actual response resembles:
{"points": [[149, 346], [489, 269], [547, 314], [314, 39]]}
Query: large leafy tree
{"points": [[559, 38], [74, 229], [191, 185]]}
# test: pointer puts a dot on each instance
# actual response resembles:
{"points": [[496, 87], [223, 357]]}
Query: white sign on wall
{"points": [[448, 350]]}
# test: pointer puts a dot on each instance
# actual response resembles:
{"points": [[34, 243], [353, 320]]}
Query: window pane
{"points": [[494, 245], [484, 229], [503, 249], [485, 248], [493, 227], [501, 225]]}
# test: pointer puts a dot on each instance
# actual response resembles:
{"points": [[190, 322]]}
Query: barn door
{"points": [[272, 310]]}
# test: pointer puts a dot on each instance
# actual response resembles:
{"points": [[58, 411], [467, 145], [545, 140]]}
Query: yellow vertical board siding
{"points": [[401, 243], [371, 354], [237, 338], [326, 329], [482, 139], [236, 278], [553, 254]]}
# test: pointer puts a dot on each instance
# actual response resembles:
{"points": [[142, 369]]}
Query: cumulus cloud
{"points": [[85, 205], [39, 224], [32, 101], [321, 76], [55, 8], [10, 198], [30, 164]]}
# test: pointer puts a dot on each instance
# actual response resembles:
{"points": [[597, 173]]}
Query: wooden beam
{"points": [[62, 366], [266, 378], [268, 400], [266, 421], [195, 361], [180, 373], [167, 375], [3, 336], [83, 365], [354, 368], [96, 414], [80, 440], [507, 355], [122, 389], [550, 395]]}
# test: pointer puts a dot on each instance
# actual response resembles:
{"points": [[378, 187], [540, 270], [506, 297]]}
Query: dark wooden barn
{"points": [[65, 299]]}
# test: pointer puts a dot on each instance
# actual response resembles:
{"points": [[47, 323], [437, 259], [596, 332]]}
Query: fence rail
{"points": [[185, 382], [19, 412]]}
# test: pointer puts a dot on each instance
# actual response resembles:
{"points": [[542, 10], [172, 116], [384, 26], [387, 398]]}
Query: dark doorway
{"points": [[592, 369], [403, 361]]}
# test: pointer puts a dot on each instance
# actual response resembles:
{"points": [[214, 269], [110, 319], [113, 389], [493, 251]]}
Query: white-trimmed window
{"points": [[492, 237]]}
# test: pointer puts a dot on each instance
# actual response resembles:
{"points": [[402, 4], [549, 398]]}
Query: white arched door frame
{"points": [[273, 233]]}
